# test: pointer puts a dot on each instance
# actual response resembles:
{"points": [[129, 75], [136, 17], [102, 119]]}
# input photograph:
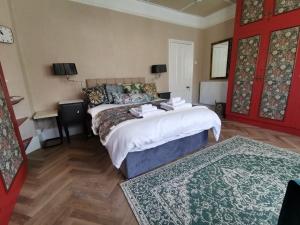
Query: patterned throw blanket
{"points": [[109, 118]]}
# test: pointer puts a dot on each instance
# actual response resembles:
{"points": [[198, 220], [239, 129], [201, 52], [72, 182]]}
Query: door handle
{"points": [[187, 87]]}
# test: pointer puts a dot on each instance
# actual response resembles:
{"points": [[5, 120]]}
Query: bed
{"points": [[137, 146]]}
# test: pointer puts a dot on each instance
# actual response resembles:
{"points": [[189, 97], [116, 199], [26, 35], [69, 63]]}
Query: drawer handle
{"points": [[78, 111]]}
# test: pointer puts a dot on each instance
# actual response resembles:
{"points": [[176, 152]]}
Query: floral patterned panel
{"points": [[10, 152], [244, 74], [283, 6], [252, 11], [279, 71]]}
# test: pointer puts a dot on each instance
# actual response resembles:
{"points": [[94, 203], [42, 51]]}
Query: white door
{"points": [[181, 62]]}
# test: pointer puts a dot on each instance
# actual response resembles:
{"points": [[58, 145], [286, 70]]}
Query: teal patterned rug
{"points": [[238, 181]]}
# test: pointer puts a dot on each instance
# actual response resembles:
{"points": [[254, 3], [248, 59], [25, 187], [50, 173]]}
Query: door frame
{"points": [[171, 41]]}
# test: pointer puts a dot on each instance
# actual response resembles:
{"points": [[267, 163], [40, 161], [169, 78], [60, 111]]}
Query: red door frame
{"points": [[8, 197], [264, 28]]}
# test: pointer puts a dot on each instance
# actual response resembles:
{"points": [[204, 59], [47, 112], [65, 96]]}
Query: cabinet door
{"points": [[13, 161], [279, 71], [245, 70], [10, 152], [251, 11], [284, 6]]}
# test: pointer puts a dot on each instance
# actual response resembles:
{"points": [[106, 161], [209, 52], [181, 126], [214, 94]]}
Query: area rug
{"points": [[238, 181]]}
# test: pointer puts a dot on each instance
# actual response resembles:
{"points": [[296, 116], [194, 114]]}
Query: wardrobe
{"points": [[13, 161], [264, 80]]}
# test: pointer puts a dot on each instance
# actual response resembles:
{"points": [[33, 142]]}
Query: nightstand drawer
{"points": [[71, 113]]}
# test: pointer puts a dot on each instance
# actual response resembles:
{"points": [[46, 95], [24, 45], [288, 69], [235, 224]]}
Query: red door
{"points": [[273, 68], [13, 162]]}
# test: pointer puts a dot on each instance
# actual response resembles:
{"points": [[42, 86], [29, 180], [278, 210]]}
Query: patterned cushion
{"points": [[113, 88], [96, 95], [135, 88], [150, 89], [130, 98], [140, 98]]}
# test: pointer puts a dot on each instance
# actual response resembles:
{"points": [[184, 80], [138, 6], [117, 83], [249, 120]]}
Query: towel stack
{"points": [[145, 111], [175, 103]]}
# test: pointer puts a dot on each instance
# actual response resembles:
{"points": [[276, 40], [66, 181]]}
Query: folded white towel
{"points": [[138, 114], [182, 106], [149, 108], [174, 100], [176, 103], [146, 106]]}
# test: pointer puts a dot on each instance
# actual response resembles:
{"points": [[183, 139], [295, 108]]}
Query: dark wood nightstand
{"points": [[72, 112], [164, 95]]}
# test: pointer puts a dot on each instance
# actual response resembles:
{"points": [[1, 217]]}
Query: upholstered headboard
{"points": [[94, 82]]}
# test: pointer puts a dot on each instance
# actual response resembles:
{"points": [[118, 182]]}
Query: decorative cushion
{"points": [[140, 98], [95, 95], [150, 89], [113, 88], [130, 98], [135, 88]]}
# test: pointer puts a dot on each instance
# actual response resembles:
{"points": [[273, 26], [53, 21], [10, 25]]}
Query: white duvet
{"points": [[140, 134]]}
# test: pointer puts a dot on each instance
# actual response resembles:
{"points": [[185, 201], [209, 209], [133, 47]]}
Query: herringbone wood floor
{"points": [[76, 183]]}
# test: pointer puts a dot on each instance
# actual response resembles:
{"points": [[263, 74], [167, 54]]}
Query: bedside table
{"points": [[164, 95], [72, 112]]}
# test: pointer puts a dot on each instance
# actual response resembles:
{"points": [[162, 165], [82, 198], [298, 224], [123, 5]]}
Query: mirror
{"points": [[220, 59]]}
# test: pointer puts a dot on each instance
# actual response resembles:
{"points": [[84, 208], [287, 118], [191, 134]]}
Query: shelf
{"points": [[21, 121], [27, 142], [16, 99]]}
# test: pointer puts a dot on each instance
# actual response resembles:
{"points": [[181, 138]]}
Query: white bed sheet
{"points": [[141, 134]]}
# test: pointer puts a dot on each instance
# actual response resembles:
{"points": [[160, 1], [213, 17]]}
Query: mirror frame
{"points": [[229, 40]]}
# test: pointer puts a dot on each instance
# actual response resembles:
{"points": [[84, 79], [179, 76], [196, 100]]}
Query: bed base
{"points": [[137, 163]]}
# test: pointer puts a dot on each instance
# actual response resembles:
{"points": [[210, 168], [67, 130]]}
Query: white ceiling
{"points": [[201, 8], [162, 13]]}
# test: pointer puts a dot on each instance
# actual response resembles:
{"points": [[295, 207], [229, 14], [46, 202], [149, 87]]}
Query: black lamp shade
{"points": [[70, 68], [159, 68], [64, 69]]}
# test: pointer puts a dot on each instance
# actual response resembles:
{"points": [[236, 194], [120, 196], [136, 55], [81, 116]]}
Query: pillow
{"points": [[150, 89], [95, 95], [131, 98], [140, 98], [113, 88], [121, 98], [134, 88]]}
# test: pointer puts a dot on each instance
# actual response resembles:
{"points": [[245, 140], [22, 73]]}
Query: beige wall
{"points": [[14, 73], [210, 35], [11, 64], [101, 42]]}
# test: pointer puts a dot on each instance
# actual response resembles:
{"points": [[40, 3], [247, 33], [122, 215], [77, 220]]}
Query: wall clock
{"points": [[6, 35]]}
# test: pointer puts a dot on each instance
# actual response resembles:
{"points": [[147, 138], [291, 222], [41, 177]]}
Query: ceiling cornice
{"points": [[164, 14]]}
